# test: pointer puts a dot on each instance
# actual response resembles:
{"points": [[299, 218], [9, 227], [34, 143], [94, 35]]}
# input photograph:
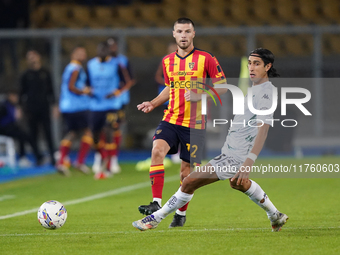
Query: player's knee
{"points": [[185, 170], [233, 184], [158, 152], [188, 186]]}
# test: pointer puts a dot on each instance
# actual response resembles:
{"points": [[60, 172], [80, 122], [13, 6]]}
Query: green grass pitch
{"points": [[219, 220]]}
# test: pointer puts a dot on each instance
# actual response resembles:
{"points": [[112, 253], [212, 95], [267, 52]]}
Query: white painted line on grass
{"points": [[94, 197], [6, 197], [268, 229]]}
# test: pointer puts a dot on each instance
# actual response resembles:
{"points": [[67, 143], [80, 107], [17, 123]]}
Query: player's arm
{"points": [[242, 175], [125, 79], [159, 74], [72, 85], [148, 106]]}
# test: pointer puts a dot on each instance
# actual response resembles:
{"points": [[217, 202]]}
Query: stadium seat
{"points": [[333, 42], [272, 42], [241, 11], [311, 12], [171, 13], [264, 12], [232, 46], [39, 16], [298, 45], [150, 14], [82, 16], [127, 15], [159, 46], [287, 12], [59, 15], [330, 9], [217, 14], [137, 47]]}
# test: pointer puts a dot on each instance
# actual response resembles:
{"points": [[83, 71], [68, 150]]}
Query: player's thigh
{"points": [[167, 132], [97, 122], [192, 144], [75, 121]]}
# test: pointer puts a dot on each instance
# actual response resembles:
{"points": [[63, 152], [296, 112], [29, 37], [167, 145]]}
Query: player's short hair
{"points": [[78, 46], [112, 40], [184, 20], [267, 57], [34, 51]]}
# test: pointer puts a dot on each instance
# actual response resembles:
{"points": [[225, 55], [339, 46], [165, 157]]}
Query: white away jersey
{"points": [[243, 129]]}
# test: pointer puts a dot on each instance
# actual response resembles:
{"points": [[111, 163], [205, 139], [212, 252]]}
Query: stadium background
{"points": [[303, 34]]}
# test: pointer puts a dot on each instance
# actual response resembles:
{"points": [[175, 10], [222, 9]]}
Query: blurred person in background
{"points": [[36, 99], [105, 78], [125, 100], [9, 115], [74, 105]]}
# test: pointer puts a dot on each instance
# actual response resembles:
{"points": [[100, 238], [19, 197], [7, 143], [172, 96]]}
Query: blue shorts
{"points": [[100, 119], [190, 141], [76, 121]]}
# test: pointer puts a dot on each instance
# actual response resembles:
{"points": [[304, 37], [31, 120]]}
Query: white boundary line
{"points": [[6, 197], [52, 233], [94, 197]]}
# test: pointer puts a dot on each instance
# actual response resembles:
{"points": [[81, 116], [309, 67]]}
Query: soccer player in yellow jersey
{"points": [[184, 73]]}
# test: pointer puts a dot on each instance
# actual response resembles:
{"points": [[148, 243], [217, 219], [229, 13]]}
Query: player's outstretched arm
{"points": [[242, 175], [147, 107]]}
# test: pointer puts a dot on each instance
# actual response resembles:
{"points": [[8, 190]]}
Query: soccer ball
{"points": [[52, 214]]}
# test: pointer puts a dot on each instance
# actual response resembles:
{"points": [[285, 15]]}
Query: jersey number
{"points": [[194, 149]]}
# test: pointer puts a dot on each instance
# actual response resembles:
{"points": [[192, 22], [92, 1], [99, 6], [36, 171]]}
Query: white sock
{"points": [[257, 195], [158, 200], [182, 213], [176, 201]]}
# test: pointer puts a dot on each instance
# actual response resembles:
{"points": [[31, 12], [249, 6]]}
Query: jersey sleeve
{"points": [[215, 71], [165, 74], [265, 103]]}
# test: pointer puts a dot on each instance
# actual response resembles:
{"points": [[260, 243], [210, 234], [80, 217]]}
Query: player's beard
{"points": [[185, 46]]}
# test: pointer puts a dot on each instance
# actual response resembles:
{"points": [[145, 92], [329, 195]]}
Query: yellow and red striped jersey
{"points": [[184, 72]]}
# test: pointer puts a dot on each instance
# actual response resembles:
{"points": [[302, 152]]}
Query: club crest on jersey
{"points": [[191, 65]]}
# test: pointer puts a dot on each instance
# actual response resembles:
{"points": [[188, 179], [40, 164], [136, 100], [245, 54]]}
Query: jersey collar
{"points": [[192, 51]]}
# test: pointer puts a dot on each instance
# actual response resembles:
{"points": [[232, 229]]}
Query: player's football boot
{"points": [[97, 163], [178, 221], [149, 222], [279, 222], [62, 169], [114, 166], [82, 168], [149, 209]]}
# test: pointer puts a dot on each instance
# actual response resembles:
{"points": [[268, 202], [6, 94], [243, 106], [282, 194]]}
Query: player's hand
{"points": [[191, 96], [87, 91], [110, 95], [145, 107], [242, 175]]}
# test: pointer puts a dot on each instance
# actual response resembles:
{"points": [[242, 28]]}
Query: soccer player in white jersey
{"points": [[242, 146]]}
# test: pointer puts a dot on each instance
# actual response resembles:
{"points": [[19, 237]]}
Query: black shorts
{"points": [[101, 119], [121, 114], [76, 121], [190, 141]]}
